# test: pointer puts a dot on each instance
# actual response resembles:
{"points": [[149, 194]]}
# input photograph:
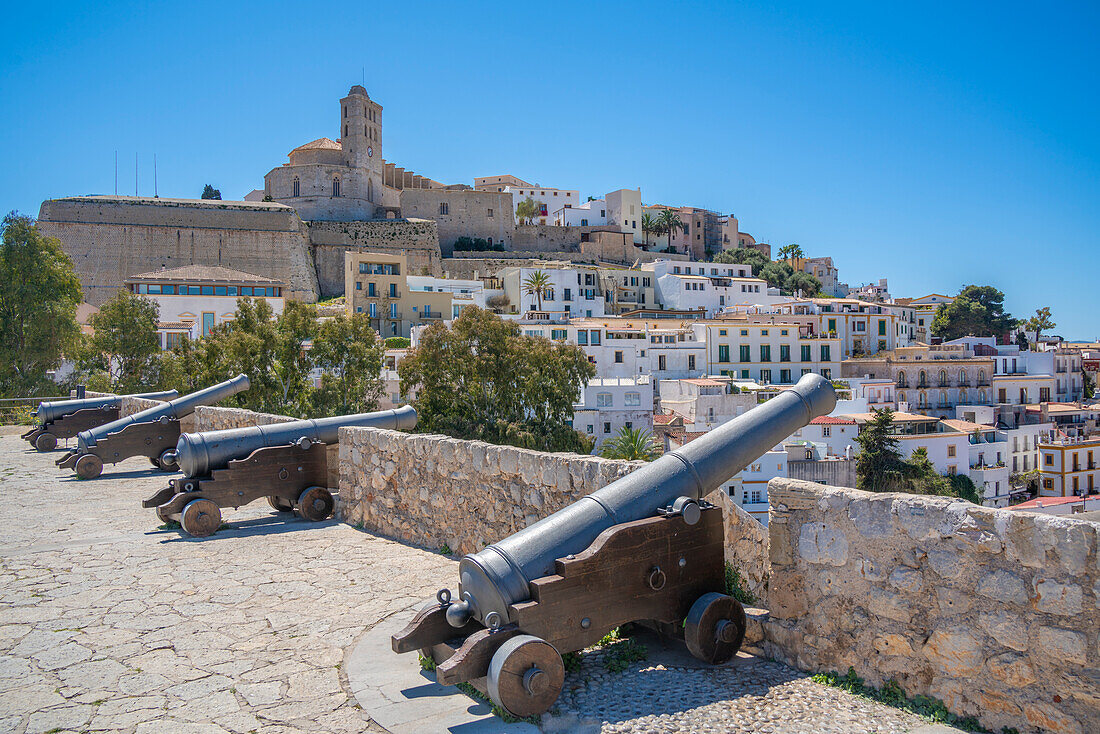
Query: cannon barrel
{"points": [[55, 409], [198, 454], [497, 576], [178, 408]]}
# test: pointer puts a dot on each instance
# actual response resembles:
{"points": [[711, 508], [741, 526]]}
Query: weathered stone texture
{"points": [[416, 239], [993, 612], [112, 238]]}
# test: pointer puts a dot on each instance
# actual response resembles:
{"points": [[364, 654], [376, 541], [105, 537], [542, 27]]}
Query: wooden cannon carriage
{"points": [[63, 419], [643, 548]]}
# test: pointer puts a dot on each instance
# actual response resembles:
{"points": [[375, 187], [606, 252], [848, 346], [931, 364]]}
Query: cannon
{"points": [[66, 418], [151, 433], [286, 462], [645, 548]]}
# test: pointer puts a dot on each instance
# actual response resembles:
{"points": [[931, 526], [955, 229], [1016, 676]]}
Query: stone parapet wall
{"points": [[995, 612]]}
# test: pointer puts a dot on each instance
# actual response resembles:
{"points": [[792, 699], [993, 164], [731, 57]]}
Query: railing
{"points": [[432, 315], [18, 410]]}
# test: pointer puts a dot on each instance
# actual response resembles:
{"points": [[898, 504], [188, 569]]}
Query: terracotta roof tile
{"points": [[829, 420], [203, 273]]}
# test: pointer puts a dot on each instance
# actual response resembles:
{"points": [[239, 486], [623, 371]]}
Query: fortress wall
{"points": [[468, 214], [994, 612], [417, 239], [110, 240]]}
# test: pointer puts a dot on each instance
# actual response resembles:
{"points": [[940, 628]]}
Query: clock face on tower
{"points": [[370, 152]]}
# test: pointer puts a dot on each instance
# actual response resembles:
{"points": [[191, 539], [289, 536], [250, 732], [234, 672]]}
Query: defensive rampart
{"points": [[112, 238], [416, 239], [995, 612]]}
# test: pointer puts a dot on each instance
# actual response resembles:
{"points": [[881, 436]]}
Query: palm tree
{"points": [[790, 251], [527, 210], [633, 444], [670, 222], [649, 225], [536, 283]]}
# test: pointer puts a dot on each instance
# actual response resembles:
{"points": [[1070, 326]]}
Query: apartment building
{"points": [[630, 289], [464, 293], [624, 210], [193, 299], [874, 292], [925, 310], [768, 353], [749, 488], [704, 403], [572, 290], [608, 404], [709, 287], [548, 198], [823, 269], [703, 231], [1069, 466], [376, 284], [589, 214]]}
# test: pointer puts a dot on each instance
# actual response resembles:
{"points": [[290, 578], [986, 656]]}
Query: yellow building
{"points": [[1069, 466], [377, 285]]}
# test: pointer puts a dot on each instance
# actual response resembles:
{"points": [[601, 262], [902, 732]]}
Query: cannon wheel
{"points": [[45, 441], [715, 627], [525, 676], [316, 503], [88, 466], [200, 518], [280, 504]]}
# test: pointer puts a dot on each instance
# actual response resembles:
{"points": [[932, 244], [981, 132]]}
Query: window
{"points": [[744, 332], [490, 213], [207, 290], [607, 427], [633, 399], [174, 339], [827, 374], [1048, 459], [373, 310], [582, 337], [763, 332], [723, 352], [595, 337], [245, 290], [766, 376], [826, 431], [590, 428], [1048, 484], [825, 356], [393, 290], [691, 361], [785, 376], [207, 324], [765, 353], [721, 332], [444, 209], [296, 187], [805, 352], [661, 363], [784, 353], [618, 357], [951, 450], [744, 353], [832, 326], [393, 311], [558, 334], [335, 187]]}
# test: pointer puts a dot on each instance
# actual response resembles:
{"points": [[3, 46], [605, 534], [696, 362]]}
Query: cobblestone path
{"points": [[108, 624]]}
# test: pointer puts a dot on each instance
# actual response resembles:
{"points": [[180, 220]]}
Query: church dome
{"points": [[357, 89]]}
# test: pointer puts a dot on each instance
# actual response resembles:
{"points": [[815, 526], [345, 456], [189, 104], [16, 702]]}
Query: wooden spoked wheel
{"points": [[316, 504], [715, 627], [45, 442], [525, 676], [88, 466], [200, 518], [280, 504]]}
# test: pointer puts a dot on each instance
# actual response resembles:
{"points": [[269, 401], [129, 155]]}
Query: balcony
{"points": [[431, 315]]}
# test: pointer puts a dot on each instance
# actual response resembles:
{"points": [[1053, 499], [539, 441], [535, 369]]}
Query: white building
{"points": [[570, 291], [589, 214], [463, 292], [772, 352], [549, 199], [709, 287], [609, 404], [704, 402], [193, 299], [624, 210]]}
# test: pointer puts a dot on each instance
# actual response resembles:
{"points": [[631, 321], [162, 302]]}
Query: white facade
{"points": [[589, 214], [463, 292], [608, 404], [704, 403], [749, 489], [570, 292], [548, 199], [776, 353], [624, 210], [709, 287]]}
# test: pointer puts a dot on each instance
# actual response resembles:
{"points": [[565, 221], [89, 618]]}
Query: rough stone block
{"points": [[1058, 598], [954, 652], [1003, 586], [1062, 646], [818, 543]]}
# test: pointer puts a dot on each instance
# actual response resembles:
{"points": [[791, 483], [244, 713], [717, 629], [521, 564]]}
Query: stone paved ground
{"points": [[109, 624]]}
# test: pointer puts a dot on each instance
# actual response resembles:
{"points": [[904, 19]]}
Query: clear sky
{"points": [[935, 145]]}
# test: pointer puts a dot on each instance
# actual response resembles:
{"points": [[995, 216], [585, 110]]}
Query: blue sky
{"points": [[936, 145]]}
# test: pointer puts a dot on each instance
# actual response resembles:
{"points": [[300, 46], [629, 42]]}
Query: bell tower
{"points": [[361, 130]]}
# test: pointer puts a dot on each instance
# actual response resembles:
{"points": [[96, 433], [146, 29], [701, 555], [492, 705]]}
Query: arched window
{"points": [[923, 402], [962, 394], [943, 378], [981, 396], [981, 377], [922, 379], [901, 397], [297, 186], [336, 187], [903, 381], [962, 378]]}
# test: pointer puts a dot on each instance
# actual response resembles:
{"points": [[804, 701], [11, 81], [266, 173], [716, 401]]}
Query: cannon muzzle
{"points": [[198, 454], [498, 576], [55, 409], [177, 408]]}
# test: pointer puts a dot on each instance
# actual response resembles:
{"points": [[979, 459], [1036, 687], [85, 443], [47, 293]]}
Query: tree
{"points": [[976, 311], [777, 274], [632, 444], [800, 281], [1089, 387], [350, 354], [743, 256], [39, 293], [482, 379], [669, 221], [1021, 336], [535, 284], [649, 226], [1041, 322], [209, 192], [398, 342], [879, 466], [788, 252], [123, 353], [527, 210]]}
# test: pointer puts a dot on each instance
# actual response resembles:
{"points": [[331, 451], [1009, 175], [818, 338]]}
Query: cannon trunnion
{"points": [[645, 548], [285, 462]]}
